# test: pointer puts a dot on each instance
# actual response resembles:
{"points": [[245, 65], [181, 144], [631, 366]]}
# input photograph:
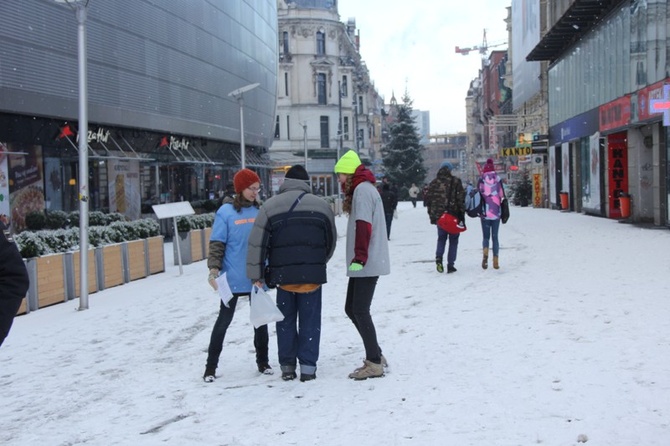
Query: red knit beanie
{"points": [[243, 179], [489, 167]]}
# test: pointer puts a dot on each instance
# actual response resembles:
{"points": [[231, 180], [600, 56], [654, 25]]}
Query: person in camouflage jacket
{"points": [[445, 194]]}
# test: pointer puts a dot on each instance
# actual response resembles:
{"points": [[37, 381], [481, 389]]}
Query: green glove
{"points": [[355, 267]]}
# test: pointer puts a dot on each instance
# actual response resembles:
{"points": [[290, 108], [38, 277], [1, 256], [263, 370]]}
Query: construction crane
{"points": [[483, 48]]}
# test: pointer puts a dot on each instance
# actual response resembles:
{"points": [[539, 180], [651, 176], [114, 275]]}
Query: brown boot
{"points": [[495, 262], [485, 259]]}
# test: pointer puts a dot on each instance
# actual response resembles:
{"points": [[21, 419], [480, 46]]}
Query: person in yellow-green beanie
{"points": [[367, 255]]}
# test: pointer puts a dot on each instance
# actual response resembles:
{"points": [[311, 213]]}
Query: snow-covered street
{"points": [[568, 342]]}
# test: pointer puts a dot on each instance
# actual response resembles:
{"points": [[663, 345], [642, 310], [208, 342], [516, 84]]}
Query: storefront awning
{"points": [[577, 21], [254, 160]]}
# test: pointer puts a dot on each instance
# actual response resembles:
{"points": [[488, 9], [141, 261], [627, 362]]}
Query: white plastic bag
{"points": [[224, 290], [263, 308]]}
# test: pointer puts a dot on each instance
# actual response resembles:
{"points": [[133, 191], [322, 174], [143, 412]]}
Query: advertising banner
{"points": [[591, 174], [26, 190], [4, 181], [537, 190], [565, 168], [617, 150], [124, 187], [552, 175]]}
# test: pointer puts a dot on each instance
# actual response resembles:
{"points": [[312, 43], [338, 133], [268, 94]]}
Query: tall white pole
{"points": [[237, 94], [83, 157], [240, 99], [304, 142]]}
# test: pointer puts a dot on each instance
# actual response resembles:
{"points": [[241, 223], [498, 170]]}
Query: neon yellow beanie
{"points": [[348, 163]]}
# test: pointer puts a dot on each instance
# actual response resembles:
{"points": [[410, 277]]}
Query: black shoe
{"points": [[289, 376], [265, 369], [438, 265], [451, 269], [209, 375], [307, 377]]}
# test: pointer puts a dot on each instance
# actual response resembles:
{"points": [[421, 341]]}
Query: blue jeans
{"points": [[299, 334], [490, 230], [261, 339], [442, 236]]}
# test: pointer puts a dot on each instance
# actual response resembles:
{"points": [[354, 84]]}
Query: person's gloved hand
{"points": [[213, 274], [355, 266]]}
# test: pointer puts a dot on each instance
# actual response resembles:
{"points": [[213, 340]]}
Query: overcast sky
{"points": [[412, 44]]}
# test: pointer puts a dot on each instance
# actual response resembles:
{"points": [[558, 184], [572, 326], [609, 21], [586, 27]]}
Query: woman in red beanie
{"points": [[228, 253]]}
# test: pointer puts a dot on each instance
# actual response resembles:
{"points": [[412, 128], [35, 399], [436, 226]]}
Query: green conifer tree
{"points": [[403, 156]]}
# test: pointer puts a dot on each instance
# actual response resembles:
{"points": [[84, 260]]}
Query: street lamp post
{"points": [[79, 7], [304, 143], [238, 94]]}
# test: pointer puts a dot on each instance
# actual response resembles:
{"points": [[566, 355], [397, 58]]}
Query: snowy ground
{"points": [[567, 342]]}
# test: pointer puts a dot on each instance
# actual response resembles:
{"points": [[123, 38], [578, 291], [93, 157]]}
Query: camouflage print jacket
{"points": [[445, 193]]}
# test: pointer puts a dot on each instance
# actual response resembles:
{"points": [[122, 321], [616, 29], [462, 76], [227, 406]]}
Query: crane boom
{"points": [[483, 48]]}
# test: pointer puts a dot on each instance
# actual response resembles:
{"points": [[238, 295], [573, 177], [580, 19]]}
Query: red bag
{"points": [[451, 224]]}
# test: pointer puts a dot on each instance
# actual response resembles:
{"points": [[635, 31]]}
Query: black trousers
{"points": [[357, 306], [8, 309], [221, 325]]}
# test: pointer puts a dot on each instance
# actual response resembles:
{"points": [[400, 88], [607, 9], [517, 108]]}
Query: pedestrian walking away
{"points": [[446, 194], [227, 254], [14, 281], [367, 256], [290, 244], [413, 192], [390, 203], [492, 191]]}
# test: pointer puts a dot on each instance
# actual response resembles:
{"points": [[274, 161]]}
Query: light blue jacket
{"points": [[233, 228]]}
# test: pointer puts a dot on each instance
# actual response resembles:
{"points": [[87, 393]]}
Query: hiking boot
{"points": [[496, 265], [369, 370], [307, 377], [210, 375], [265, 369], [288, 376], [439, 266], [485, 259], [451, 269]]}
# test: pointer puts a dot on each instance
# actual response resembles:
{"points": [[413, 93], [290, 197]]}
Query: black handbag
{"points": [[504, 210]]}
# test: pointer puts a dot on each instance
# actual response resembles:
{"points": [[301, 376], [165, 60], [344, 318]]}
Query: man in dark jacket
{"points": [[390, 202], [293, 238], [13, 281], [445, 194]]}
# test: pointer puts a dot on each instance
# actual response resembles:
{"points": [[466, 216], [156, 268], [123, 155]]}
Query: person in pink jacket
{"points": [[491, 188]]}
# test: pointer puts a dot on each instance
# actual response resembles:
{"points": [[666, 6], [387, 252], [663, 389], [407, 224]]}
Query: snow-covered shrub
{"points": [[147, 227], [56, 219], [30, 244], [36, 220], [97, 218]]}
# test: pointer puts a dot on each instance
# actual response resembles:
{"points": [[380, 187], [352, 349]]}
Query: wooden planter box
{"points": [[110, 265], [48, 284], [156, 257], [55, 278], [135, 260], [197, 251], [73, 275]]}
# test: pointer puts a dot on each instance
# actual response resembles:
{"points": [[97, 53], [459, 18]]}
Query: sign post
{"points": [[174, 210]]}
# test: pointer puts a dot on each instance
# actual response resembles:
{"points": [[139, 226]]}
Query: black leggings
{"points": [[221, 325], [357, 306]]}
